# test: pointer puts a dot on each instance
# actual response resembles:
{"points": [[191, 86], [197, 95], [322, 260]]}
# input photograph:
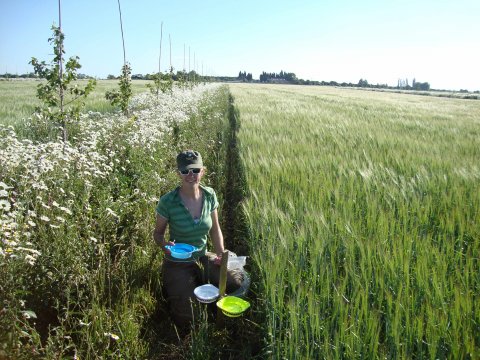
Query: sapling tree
{"points": [[121, 97], [61, 97], [161, 82]]}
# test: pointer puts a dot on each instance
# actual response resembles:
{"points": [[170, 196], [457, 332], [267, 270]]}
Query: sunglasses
{"points": [[194, 171]]}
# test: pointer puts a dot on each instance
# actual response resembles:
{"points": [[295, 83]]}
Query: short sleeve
{"points": [[214, 201], [162, 208]]}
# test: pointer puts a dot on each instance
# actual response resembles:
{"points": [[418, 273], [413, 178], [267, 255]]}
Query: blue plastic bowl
{"points": [[181, 251]]}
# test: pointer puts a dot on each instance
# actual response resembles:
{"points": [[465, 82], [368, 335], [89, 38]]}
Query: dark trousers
{"points": [[181, 278]]}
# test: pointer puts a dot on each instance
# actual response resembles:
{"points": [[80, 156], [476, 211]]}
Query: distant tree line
{"points": [[175, 76], [280, 77], [403, 84], [291, 78], [32, 75], [243, 76]]}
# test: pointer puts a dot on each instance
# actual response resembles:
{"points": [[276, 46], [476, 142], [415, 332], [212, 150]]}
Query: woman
{"points": [[190, 211]]}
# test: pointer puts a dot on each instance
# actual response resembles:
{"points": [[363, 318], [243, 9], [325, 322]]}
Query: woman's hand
{"points": [[164, 249], [218, 260]]}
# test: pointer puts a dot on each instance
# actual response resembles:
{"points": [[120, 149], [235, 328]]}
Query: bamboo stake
{"points": [[121, 29], [222, 287], [170, 41], [60, 76], [160, 55], [159, 61]]}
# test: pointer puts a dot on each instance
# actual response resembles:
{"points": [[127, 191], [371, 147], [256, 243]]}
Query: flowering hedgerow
{"points": [[29, 169], [72, 213]]}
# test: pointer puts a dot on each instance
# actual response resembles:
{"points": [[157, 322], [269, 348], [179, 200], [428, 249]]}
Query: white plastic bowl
{"points": [[206, 293]]}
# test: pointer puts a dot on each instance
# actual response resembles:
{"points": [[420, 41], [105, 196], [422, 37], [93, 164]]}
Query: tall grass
{"points": [[364, 210]]}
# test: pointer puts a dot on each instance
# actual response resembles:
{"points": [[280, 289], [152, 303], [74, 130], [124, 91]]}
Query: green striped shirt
{"points": [[183, 228]]}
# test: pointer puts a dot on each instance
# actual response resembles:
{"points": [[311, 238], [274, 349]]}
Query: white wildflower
{"points": [[4, 186], [31, 251], [5, 205], [28, 314], [30, 259], [3, 193], [44, 218], [112, 336], [31, 223], [66, 210], [111, 212]]}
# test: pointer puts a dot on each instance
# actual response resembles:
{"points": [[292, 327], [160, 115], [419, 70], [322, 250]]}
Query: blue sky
{"points": [[344, 40]]}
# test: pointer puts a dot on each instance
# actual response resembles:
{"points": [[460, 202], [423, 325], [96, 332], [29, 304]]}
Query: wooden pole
{"points": [[222, 287]]}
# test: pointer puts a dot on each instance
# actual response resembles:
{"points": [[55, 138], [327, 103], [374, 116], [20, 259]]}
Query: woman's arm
{"points": [[159, 233], [216, 234]]}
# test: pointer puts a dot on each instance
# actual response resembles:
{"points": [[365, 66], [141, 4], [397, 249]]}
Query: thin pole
{"points": [[222, 287], [60, 73], [170, 40], [160, 56], [121, 29]]}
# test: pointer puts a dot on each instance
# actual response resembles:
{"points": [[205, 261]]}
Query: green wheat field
{"points": [[365, 217]]}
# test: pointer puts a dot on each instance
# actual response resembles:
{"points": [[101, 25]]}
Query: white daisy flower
{"points": [[30, 259], [111, 212], [112, 336], [4, 186], [5, 205], [66, 210]]}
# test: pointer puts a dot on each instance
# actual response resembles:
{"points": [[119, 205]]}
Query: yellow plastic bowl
{"points": [[233, 306]]}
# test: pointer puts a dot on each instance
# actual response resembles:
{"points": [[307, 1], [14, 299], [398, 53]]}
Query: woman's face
{"points": [[193, 176]]}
